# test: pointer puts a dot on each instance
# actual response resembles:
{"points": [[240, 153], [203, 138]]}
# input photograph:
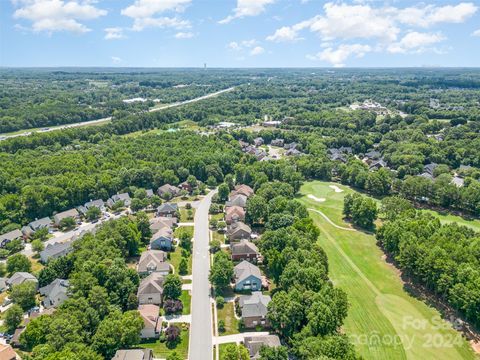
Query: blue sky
{"points": [[239, 33]]}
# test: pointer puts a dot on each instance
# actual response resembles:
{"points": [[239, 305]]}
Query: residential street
{"points": [[201, 326]]}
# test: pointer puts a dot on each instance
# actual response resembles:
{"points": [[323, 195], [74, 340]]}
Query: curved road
{"points": [[99, 121], [201, 347]]}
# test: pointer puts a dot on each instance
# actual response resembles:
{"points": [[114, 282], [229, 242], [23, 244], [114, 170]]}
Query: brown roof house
{"points": [[255, 343], [151, 289], [234, 214], [162, 222], [238, 231], [247, 277], [254, 309], [134, 354], [152, 323], [153, 261], [245, 250], [244, 190], [7, 353]]}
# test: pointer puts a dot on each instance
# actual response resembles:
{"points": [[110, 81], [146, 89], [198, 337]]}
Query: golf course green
{"points": [[384, 321]]}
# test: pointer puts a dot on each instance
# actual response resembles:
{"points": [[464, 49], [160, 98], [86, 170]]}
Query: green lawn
{"points": [[175, 258], [161, 350], [218, 217], [217, 236], [184, 215], [183, 229], [227, 314], [378, 303], [186, 301]]}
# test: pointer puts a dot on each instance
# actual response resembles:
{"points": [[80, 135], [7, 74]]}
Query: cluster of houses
{"points": [[370, 105], [372, 158], [429, 173], [260, 153]]}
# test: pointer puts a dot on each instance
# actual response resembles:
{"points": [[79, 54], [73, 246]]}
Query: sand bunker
{"points": [[336, 188], [310, 196]]}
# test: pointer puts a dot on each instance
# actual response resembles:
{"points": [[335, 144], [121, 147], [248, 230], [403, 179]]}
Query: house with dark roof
{"points": [[373, 155], [72, 213], [378, 164], [255, 343], [32, 227], [150, 290], [54, 293], [10, 236], [258, 141], [170, 189], [153, 261], [56, 250], [167, 210], [247, 277], [292, 145], [254, 309], [162, 239], [293, 152], [20, 278], [238, 231], [245, 250], [185, 186], [277, 142], [134, 354], [430, 168], [123, 197]]}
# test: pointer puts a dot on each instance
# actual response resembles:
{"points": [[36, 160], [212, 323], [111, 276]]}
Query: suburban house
{"points": [[292, 145], [377, 164], [149, 193], [277, 142], [100, 204], [153, 261], [237, 200], [134, 354], [372, 155], [7, 353], [245, 250], [458, 181], [430, 168], [167, 210], [119, 197], [72, 213], [258, 141], [185, 186], [293, 152], [162, 239], [151, 289], [161, 222], [238, 231], [243, 190], [234, 214], [54, 293], [426, 175], [32, 227], [254, 309], [167, 188], [247, 277], [21, 277], [152, 323], [56, 250], [12, 235], [255, 343]]}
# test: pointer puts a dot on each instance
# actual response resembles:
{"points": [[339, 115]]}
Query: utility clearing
{"points": [[384, 321]]}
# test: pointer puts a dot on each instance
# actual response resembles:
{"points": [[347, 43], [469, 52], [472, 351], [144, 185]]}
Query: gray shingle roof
{"points": [[245, 269], [55, 293], [255, 343], [254, 305], [41, 223], [244, 247], [20, 278], [167, 207]]}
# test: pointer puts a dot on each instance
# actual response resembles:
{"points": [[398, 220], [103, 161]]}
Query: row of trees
{"points": [[442, 257]]}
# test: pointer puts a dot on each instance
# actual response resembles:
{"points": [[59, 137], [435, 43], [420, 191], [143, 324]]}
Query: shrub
{"points": [[220, 302], [172, 335], [172, 306], [221, 326]]}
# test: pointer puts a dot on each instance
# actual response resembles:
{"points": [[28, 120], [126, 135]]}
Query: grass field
{"points": [[186, 299], [227, 314], [384, 322], [175, 258], [161, 350]]}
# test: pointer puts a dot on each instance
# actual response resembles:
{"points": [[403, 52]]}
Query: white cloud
{"points": [[257, 50], [476, 33], [415, 42], [114, 33], [184, 35], [430, 15], [145, 14], [116, 60], [247, 8], [285, 33], [337, 56], [234, 46], [57, 15]]}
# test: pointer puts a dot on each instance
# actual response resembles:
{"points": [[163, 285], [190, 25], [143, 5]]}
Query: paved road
{"points": [[99, 121], [201, 328]]}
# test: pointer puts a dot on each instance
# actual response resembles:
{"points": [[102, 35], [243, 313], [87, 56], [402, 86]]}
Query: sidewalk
{"points": [[236, 338]]}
